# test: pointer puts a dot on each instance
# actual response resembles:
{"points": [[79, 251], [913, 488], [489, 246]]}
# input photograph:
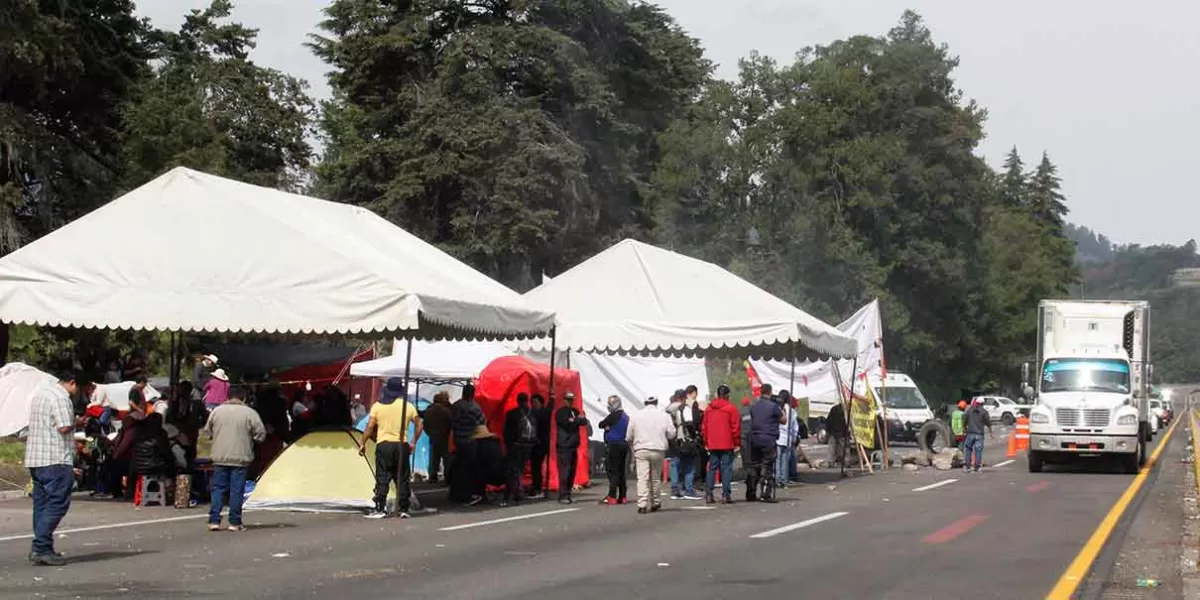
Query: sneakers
{"points": [[655, 507], [609, 501], [475, 499], [404, 515], [236, 528], [692, 497], [623, 501], [709, 499], [676, 496], [214, 526], [48, 560], [726, 500], [566, 501], [375, 514]]}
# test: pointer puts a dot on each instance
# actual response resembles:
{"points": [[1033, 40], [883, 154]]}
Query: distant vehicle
{"points": [[1092, 379], [907, 410], [1001, 409], [1162, 410]]}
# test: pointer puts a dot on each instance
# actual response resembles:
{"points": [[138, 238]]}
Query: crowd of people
{"points": [[157, 439]]}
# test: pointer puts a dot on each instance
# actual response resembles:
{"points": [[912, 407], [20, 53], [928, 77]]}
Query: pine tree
{"points": [[1045, 195], [1014, 185]]}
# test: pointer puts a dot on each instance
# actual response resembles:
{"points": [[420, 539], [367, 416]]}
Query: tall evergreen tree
{"points": [[1046, 200], [1014, 184]]}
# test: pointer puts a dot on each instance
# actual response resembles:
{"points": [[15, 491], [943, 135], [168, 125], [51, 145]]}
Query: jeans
{"points": [[106, 417], [784, 458], [392, 464], [973, 445], [683, 467], [229, 481], [720, 460], [51, 499], [648, 465]]}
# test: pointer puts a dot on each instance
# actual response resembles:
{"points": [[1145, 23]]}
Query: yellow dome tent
{"points": [[321, 472]]}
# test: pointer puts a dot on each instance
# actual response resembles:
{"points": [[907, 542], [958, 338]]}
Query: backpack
{"points": [[526, 432]]}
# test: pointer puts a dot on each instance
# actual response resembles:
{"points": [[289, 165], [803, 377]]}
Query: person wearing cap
{"points": [[569, 421], [388, 423], [466, 417], [977, 421], [722, 428], [649, 434], [681, 454], [616, 451], [956, 424], [216, 391]]}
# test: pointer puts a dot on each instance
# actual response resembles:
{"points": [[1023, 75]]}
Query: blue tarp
{"points": [[421, 455]]}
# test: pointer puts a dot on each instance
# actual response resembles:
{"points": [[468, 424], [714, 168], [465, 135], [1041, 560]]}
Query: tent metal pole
{"points": [[791, 407], [404, 423], [550, 407], [846, 411]]}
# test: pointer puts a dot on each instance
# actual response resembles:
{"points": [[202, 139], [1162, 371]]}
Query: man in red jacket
{"points": [[722, 427]]}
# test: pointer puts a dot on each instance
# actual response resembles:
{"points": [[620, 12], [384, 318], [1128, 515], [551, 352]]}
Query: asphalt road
{"points": [[1004, 533]]}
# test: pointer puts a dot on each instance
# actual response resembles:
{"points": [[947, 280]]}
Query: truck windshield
{"points": [[1085, 375], [903, 397]]}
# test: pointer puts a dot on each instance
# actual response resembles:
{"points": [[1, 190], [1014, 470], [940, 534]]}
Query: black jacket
{"points": [[835, 423], [151, 449], [466, 416], [512, 425], [568, 421]]}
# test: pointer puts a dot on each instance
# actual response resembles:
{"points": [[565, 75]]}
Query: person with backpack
{"points": [[681, 457], [520, 436], [616, 451]]}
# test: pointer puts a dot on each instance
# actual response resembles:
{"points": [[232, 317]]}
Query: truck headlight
{"points": [[1039, 418], [1127, 420]]}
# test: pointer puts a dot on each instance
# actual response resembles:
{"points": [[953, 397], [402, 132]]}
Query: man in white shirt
{"points": [[649, 433], [50, 458]]}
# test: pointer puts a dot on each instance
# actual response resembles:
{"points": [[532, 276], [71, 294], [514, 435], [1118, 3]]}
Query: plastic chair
{"points": [[151, 490]]}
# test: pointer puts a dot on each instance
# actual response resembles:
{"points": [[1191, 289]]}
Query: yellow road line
{"points": [[1069, 583], [1195, 463]]}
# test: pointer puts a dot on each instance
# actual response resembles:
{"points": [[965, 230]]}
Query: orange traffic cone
{"points": [[1012, 445]]}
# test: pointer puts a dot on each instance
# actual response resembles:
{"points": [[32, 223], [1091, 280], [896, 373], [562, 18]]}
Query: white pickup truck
{"points": [[1001, 409]]}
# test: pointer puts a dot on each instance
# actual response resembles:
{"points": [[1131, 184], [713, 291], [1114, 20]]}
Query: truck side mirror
{"points": [[1137, 394]]}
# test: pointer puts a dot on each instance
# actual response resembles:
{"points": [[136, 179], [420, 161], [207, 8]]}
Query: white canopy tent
{"points": [[636, 298], [213, 254], [434, 360], [819, 381]]}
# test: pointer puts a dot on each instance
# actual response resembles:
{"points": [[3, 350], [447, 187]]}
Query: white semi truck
{"points": [[1092, 382]]}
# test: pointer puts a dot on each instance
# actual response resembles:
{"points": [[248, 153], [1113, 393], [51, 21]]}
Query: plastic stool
{"points": [[151, 490]]}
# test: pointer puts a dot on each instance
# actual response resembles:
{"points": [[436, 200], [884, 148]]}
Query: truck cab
{"points": [[1091, 396]]}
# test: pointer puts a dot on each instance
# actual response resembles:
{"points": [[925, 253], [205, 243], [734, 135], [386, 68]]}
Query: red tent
{"points": [[504, 378]]}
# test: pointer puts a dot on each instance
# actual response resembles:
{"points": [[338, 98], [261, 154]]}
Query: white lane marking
{"points": [[1003, 464], [934, 485], [699, 508], [509, 519], [800, 525], [29, 536]]}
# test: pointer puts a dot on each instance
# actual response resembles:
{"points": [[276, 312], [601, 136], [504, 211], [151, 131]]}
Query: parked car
{"points": [[1002, 409]]}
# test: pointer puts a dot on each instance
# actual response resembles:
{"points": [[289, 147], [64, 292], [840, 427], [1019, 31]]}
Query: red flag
{"points": [[805, 380], [755, 382]]}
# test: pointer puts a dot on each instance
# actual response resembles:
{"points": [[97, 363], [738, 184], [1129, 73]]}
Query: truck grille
{"points": [[1095, 417], [1067, 417]]}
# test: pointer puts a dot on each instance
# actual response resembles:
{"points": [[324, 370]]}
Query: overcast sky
{"points": [[1101, 86]]}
